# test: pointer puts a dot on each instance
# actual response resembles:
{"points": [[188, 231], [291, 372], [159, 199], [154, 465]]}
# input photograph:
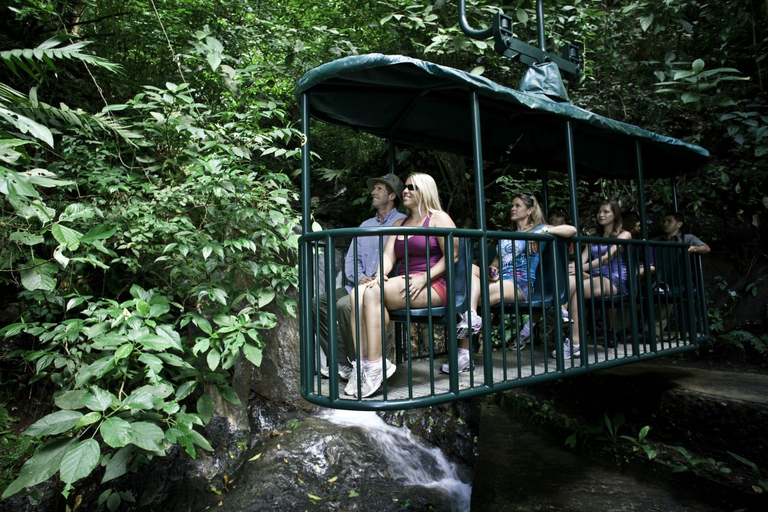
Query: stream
{"points": [[407, 457]]}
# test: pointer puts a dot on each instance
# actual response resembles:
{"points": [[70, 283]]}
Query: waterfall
{"points": [[408, 458]]}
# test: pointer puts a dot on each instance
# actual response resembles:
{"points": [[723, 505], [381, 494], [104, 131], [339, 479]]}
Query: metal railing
{"points": [[657, 312]]}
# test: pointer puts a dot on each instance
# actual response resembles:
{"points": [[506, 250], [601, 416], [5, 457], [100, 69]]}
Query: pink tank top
{"points": [[417, 252]]}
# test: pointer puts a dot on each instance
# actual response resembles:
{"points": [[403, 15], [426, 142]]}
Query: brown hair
{"points": [[617, 220]]}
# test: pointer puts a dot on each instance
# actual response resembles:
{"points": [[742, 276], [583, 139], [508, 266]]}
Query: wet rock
{"points": [[277, 379], [319, 465]]}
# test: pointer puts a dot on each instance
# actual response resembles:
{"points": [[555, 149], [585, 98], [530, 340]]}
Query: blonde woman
{"points": [[422, 202], [519, 260]]}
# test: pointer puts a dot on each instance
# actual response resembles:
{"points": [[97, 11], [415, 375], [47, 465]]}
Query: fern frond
{"points": [[30, 116], [34, 61]]}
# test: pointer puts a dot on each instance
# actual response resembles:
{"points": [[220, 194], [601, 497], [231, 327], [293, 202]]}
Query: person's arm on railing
{"points": [[563, 230], [699, 249]]}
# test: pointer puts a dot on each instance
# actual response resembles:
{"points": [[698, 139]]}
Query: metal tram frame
{"points": [[414, 103]]}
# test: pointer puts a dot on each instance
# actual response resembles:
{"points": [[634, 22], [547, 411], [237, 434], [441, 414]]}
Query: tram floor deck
{"points": [[506, 367]]}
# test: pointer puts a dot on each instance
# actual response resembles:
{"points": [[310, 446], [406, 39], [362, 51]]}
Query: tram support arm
{"points": [[469, 31]]}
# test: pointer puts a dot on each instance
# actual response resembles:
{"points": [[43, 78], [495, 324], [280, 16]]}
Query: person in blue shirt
{"points": [[386, 195], [512, 273]]}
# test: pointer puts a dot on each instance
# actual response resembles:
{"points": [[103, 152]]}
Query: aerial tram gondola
{"points": [[410, 102]]}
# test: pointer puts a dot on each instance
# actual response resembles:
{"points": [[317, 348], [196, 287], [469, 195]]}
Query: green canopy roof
{"points": [[426, 105]]}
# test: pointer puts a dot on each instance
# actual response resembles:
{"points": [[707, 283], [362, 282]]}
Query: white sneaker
{"points": [[345, 371], [565, 316], [465, 363], [569, 350], [351, 387], [372, 377], [524, 337], [462, 328]]}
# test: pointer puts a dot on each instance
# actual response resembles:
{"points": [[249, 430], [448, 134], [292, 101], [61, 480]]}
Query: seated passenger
{"points": [[631, 222], [603, 269], [519, 259], [673, 225], [421, 200]]}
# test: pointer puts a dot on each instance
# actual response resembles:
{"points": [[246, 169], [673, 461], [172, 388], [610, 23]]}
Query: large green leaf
{"points": [[265, 296], [200, 441], [26, 125], [213, 358], [147, 436], [252, 353], [43, 178], [148, 397], [97, 399], [156, 342], [26, 238], [174, 360], [70, 399], [139, 399], [229, 394], [116, 432], [100, 232], [39, 277], [185, 389], [167, 332], [88, 419], [43, 464], [80, 461], [154, 366], [118, 464], [205, 408], [54, 423], [97, 369], [66, 236]]}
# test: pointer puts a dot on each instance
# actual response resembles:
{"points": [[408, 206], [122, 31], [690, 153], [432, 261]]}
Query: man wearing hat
{"points": [[386, 195]]}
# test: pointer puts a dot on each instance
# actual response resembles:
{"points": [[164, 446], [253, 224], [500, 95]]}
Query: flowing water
{"points": [[407, 457]]}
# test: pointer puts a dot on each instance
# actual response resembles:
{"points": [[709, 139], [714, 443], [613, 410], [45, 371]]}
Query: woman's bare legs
{"points": [[494, 296], [594, 286], [366, 303]]}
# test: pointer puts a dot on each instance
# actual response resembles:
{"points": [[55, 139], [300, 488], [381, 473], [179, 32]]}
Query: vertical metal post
{"points": [[392, 155], [477, 155], [305, 283], [646, 252], [545, 193], [571, 159], [540, 24], [641, 192], [675, 205]]}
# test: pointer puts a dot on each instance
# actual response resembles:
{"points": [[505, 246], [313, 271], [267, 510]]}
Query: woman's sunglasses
{"points": [[411, 187]]}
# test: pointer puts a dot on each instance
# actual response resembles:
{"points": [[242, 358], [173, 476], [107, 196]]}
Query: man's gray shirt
{"points": [[367, 249], [685, 238]]}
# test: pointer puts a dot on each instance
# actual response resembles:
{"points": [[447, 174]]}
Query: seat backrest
{"points": [[670, 267], [462, 274], [553, 267]]}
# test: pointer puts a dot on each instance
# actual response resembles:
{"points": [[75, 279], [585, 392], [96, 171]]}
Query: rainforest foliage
{"points": [[148, 156]]}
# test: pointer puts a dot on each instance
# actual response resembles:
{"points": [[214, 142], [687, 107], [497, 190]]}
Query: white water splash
{"points": [[408, 457]]}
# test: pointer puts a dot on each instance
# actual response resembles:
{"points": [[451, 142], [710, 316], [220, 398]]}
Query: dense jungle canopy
{"points": [[148, 183]]}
